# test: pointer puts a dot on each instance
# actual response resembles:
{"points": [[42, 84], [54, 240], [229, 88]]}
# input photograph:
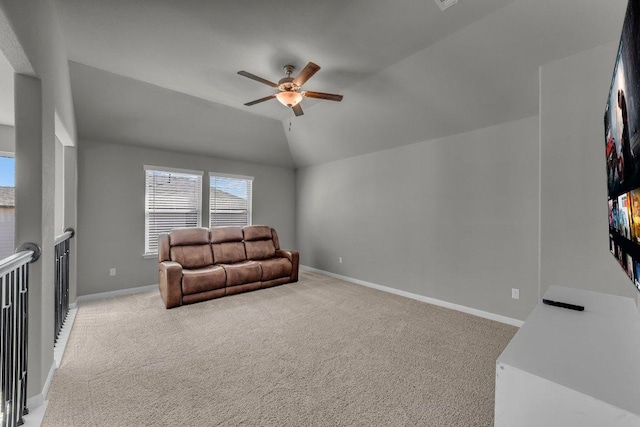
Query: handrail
{"points": [[68, 233], [25, 253], [14, 261]]}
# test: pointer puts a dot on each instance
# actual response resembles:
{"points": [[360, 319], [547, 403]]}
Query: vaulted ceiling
{"points": [[162, 73]]}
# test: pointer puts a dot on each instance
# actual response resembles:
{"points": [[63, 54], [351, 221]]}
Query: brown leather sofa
{"points": [[198, 264]]}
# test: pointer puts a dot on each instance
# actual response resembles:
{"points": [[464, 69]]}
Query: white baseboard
{"points": [[429, 300], [36, 401], [36, 415], [117, 293], [63, 337]]}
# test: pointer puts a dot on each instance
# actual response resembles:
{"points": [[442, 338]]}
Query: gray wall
{"points": [[454, 218], [111, 209], [59, 189], [457, 218], [71, 212], [573, 211]]}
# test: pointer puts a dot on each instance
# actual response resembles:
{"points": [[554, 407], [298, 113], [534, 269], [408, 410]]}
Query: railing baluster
{"points": [[25, 335], [14, 298], [57, 293], [62, 250], [14, 347], [66, 276], [3, 353], [9, 354]]}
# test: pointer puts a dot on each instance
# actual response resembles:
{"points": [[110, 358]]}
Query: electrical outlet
{"points": [[340, 260], [112, 272], [515, 293]]}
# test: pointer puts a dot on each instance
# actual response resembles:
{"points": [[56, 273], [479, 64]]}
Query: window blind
{"points": [[230, 200], [173, 199]]}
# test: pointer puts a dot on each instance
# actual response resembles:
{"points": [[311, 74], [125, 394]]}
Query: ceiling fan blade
{"points": [[322, 95], [297, 109], [258, 79], [257, 101], [306, 73]]}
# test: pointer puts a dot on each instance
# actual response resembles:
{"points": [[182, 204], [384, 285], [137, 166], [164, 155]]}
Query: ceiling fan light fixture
{"points": [[289, 99]]}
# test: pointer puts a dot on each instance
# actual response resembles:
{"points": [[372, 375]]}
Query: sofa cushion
{"points": [[228, 253], [203, 279], [193, 256], [275, 268], [189, 236], [203, 296], [256, 232], [260, 249], [227, 246], [276, 240], [163, 247], [258, 242], [231, 290], [275, 282], [226, 234], [242, 273]]}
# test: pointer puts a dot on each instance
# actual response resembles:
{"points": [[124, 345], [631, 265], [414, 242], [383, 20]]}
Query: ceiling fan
{"points": [[289, 87]]}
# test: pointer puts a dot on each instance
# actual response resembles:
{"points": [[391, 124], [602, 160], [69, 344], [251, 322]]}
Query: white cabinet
{"points": [[570, 368]]}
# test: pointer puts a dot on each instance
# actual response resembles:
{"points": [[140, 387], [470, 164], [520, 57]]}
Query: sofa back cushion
{"points": [[258, 242], [276, 240], [189, 236], [163, 247], [227, 246], [190, 247]]}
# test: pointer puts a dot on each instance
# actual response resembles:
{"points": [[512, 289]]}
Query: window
{"points": [[230, 199], [7, 205], [173, 198]]}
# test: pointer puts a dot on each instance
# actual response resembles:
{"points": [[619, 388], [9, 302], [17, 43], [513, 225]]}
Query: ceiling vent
{"points": [[445, 4]]}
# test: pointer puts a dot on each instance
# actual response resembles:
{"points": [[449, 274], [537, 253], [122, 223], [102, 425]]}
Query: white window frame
{"points": [[250, 195], [146, 252]]}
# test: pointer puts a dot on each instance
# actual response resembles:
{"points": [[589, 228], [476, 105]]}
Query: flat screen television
{"points": [[622, 148]]}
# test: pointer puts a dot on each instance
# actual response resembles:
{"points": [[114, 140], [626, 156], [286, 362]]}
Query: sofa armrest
{"points": [[294, 257], [170, 283]]}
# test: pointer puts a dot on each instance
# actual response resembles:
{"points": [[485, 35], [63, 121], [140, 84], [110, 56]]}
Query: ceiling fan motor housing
{"points": [[286, 84]]}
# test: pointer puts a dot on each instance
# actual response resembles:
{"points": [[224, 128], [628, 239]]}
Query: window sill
{"points": [[150, 256]]}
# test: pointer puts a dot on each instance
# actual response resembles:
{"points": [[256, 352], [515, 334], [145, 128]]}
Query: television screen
{"points": [[622, 148]]}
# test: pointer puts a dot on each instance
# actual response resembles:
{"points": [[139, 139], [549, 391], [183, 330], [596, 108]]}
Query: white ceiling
{"points": [[409, 72], [197, 46], [131, 112], [485, 74]]}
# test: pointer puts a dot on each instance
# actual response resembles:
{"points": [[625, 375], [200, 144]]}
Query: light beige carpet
{"points": [[320, 352]]}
